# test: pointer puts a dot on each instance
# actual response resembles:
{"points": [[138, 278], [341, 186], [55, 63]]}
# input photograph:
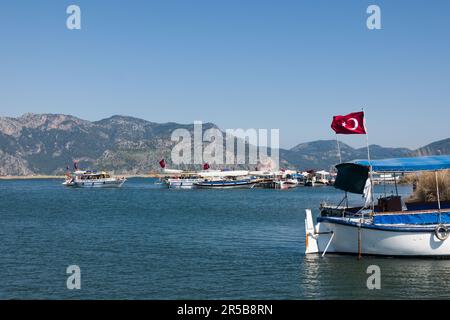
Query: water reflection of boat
{"points": [[387, 228], [92, 179]]}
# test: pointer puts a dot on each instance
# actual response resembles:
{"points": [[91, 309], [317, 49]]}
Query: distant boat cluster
{"points": [[244, 179], [209, 179]]}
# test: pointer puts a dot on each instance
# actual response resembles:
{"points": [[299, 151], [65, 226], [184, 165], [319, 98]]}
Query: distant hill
{"points": [[324, 153], [435, 148], [46, 143]]}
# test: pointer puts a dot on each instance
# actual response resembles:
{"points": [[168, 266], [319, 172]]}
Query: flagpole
{"points": [[339, 149], [370, 162]]}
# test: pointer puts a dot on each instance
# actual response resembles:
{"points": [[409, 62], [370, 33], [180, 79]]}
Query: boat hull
{"points": [[181, 183], [96, 184], [283, 185], [375, 240], [225, 185]]}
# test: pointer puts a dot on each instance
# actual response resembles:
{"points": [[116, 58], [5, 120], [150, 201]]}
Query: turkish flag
{"points": [[206, 166], [162, 163], [352, 123]]}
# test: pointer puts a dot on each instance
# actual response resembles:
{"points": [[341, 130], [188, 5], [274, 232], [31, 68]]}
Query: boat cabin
{"points": [[92, 175]]}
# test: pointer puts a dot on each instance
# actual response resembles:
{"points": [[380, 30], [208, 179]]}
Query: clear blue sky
{"points": [[238, 63]]}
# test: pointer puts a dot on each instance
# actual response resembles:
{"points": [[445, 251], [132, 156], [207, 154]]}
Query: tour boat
{"points": [[389, 228], [202, 179], [93, 179]]}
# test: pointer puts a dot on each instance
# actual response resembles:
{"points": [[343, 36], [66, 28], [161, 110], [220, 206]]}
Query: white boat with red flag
{"points": [[207, 178], [92, 179], [390, 227]]}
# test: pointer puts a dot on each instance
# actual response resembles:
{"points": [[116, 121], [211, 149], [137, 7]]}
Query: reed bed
{"points": [[425, 186]]}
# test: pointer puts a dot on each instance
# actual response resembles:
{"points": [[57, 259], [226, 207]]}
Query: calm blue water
{"points": [[147, 242]]}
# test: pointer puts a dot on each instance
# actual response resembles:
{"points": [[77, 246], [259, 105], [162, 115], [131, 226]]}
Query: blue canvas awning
{"points": [[429, 163]]}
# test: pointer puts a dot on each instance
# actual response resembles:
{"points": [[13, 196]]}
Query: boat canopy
{"points": [[225, 173], [430, 163], [351, 177]]}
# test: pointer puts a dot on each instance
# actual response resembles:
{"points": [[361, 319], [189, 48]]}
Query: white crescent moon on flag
{"points": [[356, 124]]}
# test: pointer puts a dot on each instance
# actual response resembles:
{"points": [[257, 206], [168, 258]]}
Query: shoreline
{"points": [[62, 177]]}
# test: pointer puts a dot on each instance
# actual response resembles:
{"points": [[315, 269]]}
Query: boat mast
{"points": [[370, 164], [340, 161], [438, 197], [338, 148]]}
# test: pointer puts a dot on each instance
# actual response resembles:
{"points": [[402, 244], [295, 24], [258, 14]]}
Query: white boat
{"points": [[386, 178], [285, 179], [285, 184], [310, 181], [182, 182], [322, 177], [389, 228], [93, 179], [179, 179]]}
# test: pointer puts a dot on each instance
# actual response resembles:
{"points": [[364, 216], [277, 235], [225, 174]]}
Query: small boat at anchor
{"points": [[92, 179], [390, 227]]}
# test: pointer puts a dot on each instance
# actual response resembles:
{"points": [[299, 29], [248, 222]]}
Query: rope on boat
{"points": [[328, 244], [359, 241]]}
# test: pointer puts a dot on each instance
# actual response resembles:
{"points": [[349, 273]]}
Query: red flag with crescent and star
{"points": [[162, 163], [352, 123]]}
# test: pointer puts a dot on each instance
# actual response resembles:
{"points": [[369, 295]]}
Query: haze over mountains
{"points": [[43, 144]]}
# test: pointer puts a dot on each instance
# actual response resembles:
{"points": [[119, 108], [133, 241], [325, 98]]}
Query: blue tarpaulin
{"points": [[408, 164], [414, 218]]}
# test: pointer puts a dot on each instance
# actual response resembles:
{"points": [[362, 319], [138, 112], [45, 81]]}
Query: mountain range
{"points": [[44, 144]]}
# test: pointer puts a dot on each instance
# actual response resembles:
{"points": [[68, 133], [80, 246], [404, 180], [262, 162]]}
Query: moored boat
{"points": [[387, 228], [285, 184], [213, 179], [323, 178]]}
